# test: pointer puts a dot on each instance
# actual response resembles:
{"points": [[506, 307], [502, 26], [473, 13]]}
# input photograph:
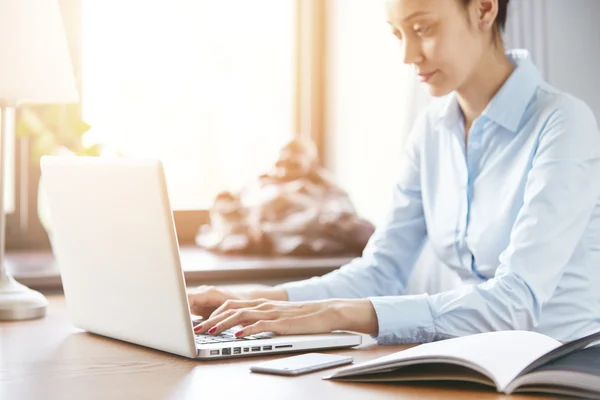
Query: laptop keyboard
{"points": [[229, 336]]}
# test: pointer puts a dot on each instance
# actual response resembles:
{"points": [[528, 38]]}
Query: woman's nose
{"points": [[412, 51]]}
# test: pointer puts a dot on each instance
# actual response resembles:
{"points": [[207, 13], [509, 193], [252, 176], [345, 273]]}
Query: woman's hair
{"points": [[502, 13]]}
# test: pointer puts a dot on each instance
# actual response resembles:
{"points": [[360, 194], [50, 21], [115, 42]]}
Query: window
{"points": [[207, 86], [372, 100]]}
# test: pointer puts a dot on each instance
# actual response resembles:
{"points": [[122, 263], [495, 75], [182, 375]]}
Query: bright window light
{"points": [[207, 86]]}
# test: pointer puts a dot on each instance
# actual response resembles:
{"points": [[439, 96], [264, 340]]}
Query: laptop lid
{"points": [[113, 237]]}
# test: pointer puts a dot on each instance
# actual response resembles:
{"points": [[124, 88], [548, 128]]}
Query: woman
{"points": [[501, 174]]}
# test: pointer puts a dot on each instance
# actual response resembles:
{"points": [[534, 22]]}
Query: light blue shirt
{"points": [[515, 212]]}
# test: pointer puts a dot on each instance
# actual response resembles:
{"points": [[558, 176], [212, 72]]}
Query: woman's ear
{"points": [[487, 12]]}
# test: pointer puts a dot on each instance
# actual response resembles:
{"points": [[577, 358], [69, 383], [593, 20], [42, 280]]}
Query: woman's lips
{"points": [[426, 77]]}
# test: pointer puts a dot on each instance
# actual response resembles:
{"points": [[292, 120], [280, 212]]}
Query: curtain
{"points": [[526, 28]]}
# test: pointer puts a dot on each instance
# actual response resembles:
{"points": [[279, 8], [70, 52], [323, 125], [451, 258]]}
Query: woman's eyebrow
{"points": [[411, 16], [415, 14]]}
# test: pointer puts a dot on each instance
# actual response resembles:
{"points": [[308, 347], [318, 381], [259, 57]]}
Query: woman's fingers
{"points": [[200, 305], [260, 327], [300, 325], [205, 299], [228, 308], [257, 316], [236, 304], [230, 318]]}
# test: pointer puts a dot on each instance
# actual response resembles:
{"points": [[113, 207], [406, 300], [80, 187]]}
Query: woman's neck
{"points": [[489, 76]]}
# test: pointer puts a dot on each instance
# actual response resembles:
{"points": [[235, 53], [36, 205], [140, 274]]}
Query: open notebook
{"points": [[510, 361]]}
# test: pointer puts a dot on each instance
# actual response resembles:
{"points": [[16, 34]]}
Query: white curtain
{"points": [[526, 29]]}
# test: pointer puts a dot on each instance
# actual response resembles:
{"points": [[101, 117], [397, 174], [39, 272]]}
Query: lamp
{"points": [[35, 67]]}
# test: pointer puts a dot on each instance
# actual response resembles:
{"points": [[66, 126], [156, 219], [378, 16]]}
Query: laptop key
{"points": [[223, 337], [222, 340]]}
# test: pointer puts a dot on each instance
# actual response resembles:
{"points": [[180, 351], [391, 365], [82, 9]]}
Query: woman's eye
{"points": [[421, 29], [397, 34]]}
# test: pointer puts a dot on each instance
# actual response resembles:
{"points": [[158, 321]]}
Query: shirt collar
{"points": [[508, 106]]}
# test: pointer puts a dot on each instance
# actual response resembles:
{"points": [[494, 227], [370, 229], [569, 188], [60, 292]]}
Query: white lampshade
{"points": [[35, 66]]}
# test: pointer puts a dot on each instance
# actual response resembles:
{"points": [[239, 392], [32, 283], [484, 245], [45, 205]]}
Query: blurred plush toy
{"points": [[292, 209]]}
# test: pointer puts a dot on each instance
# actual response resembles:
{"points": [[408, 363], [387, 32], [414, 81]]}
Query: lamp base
{"points": [[18, 302]]}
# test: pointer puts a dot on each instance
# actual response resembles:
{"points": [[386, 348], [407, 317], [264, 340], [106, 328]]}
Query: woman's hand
{"points": [[204, 300], [291, 318]]}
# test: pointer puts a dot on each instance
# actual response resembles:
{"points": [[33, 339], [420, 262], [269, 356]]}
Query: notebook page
{"points": [[502, 354]]}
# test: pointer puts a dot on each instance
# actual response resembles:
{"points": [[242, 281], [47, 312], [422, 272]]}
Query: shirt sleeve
{"points": [[390, 254], [561, 193]]}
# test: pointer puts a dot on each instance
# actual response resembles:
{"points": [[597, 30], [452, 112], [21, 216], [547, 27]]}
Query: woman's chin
{"points": [[438, 90]]}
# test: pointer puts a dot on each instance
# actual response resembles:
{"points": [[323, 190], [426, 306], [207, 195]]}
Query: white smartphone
{"points": [[301, 364]]}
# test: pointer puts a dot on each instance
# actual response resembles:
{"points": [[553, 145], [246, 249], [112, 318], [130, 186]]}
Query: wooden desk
{"points": [[49, 359]]}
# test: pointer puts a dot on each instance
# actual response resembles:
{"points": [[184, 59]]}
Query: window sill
{"points": [[38, 269]]}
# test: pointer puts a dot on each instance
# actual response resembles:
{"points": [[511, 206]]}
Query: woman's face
{"points": [[440, 39]]}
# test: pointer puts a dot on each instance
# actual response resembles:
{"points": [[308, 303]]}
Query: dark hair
{"points": [[502, 13]]}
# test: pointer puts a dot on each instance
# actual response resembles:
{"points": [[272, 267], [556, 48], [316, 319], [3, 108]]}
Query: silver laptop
{"points": [[114, 240]]}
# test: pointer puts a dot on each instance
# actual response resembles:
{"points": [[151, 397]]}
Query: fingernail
{"points": [[198, 327], [212, 330], [239, 333]]}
